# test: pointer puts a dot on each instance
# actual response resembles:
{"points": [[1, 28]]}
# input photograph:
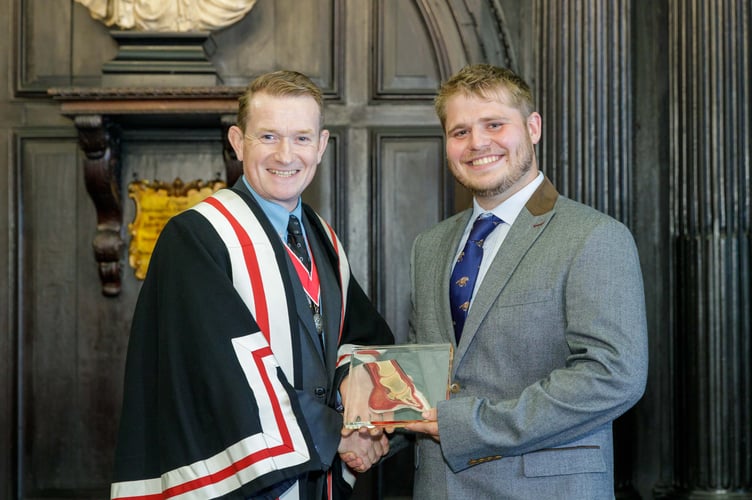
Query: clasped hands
{"points": [[361, 448]]}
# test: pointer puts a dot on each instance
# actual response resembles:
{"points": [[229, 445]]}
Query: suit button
{"points": [[319, 391], [454, 388]]}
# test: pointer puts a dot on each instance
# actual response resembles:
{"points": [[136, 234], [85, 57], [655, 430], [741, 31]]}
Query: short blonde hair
{"points": [[485, 80], [283, 83]]}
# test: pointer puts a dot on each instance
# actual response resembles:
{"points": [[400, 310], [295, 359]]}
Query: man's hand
{"points": [[429, 427], [355, 399], [360, 449]]}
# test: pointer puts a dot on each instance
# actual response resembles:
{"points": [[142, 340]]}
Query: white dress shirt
{"points": [[507, 212]]}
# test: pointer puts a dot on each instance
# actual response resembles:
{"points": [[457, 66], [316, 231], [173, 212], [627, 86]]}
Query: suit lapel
{"points": [[331, 301], [447, 245], [527, 228]]}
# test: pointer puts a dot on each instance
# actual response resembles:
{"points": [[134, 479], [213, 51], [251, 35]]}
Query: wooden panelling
{"points": [[290, 34], [382, 180], [284, 33], [8, 318], [167, 154], [407, 167], [58, 424], [325, 193], [406, 64], [91, 46], [44, 52], [50, 409], [614, 137], [652, 450]]}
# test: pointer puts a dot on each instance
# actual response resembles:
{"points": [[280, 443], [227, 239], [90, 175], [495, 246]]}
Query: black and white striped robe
{"points": [[210, 406]]}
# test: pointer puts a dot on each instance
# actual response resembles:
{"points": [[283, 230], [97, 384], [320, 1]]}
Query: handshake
{"points": [[389, 387]]}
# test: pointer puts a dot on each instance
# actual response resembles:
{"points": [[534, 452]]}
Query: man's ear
{"points": [[236, 137], [323, 143], [534, 127]]}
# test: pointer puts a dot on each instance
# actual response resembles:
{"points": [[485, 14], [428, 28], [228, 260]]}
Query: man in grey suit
{"points": [[551, 342]]}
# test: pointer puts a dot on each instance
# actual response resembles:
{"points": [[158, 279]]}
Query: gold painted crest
{"points": [[156, 202]]}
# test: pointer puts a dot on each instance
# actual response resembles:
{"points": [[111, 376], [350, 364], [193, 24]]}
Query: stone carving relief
{"points": [[168, 15]]}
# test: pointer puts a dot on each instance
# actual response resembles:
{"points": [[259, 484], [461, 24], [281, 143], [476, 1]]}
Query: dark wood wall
{"points": [[646, 109]]}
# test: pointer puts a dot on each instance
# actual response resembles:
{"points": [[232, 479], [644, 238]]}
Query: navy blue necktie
{"points": [[466, 269], [296, 241]]}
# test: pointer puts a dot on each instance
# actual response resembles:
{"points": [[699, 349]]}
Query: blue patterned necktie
{"points": [[466, 271]]}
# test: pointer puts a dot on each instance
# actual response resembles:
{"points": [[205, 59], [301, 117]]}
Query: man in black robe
{"points": [[243, 328]]}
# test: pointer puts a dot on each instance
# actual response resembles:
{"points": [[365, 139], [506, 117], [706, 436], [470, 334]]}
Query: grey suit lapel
{"points": [[523, 233], [530, 224], [447, 245]]}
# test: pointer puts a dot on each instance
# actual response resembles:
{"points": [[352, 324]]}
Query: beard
{"points": [[519, 167]]}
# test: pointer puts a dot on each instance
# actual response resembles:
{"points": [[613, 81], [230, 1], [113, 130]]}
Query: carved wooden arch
{"points": [[461, 36], [455, 35]]}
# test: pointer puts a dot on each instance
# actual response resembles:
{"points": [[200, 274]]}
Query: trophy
{"points": [[393, 385]]}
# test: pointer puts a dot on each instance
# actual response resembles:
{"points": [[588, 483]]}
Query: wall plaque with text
{"points": [[156, 202]]}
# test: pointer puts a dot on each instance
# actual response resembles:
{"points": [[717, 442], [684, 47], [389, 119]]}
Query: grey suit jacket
{"points": [[553, 350]]}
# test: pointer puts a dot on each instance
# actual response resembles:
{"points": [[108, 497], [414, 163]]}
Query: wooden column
{"points": [[582, 86], [100, 113], [711, 162]]}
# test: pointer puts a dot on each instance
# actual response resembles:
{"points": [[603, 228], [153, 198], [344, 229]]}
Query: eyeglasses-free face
{"points": [[490, 146], [281, 146]]}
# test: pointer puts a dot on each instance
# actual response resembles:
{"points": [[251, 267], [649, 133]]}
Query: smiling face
{"points": [[281, 146], [489, 145]]}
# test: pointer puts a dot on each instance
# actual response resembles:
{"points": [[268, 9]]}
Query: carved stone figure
{"points": [[168, 15]]}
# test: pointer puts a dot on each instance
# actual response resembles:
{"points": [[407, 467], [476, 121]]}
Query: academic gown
{"points": [[218, 359]]}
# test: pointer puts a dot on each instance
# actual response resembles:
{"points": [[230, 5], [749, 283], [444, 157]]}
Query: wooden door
{"points": [[381, 182]]}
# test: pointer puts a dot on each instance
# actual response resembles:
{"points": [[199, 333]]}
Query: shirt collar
{"points": [[277, 214], [511, 208]]}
